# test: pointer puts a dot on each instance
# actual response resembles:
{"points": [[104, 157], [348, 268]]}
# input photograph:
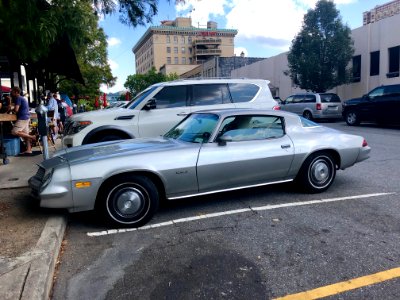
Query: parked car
{"points": [[314, 105], [208, 152], [381, 105], [159, 107]]}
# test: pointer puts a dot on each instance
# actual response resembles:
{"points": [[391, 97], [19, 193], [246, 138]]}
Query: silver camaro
{"points": [[208, 152]]}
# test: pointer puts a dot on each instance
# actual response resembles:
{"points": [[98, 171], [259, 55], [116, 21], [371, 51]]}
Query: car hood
{"points": [[102, 114], [106, 150]]}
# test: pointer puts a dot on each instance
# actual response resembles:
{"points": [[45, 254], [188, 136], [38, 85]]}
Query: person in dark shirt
{"points": [[21, 126]]}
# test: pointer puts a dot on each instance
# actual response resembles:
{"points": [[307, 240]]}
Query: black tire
{"points": [[352, 118], [317, 173], [307, 115], [128, 201]]}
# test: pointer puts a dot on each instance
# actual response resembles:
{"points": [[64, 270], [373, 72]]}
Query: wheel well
{"points": [[335, 155], [307, 110], [106, 132], [153, 177]]}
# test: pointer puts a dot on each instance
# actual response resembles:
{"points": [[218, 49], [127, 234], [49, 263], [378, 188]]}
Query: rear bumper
{"points": [[364, 154]]}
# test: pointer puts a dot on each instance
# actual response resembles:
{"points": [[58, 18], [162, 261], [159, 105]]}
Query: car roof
{"points": [[247, 111], [211, 81]]}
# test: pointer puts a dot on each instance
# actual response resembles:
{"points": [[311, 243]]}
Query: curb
{"points": [[39, 278]]}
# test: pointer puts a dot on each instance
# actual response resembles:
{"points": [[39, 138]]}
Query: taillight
{"points": [[318, 106], [276, 107], [364, 144]]}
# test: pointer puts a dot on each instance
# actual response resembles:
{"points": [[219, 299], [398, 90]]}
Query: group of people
{"points": [[21, 109]]}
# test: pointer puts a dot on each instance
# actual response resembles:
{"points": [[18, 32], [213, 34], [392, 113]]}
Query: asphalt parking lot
{"points": [[261, 243]]}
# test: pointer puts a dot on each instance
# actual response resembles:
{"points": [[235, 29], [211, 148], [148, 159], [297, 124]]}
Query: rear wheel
{"points": [[352, 118], [307, 114], [131, 200], [317, 173]]}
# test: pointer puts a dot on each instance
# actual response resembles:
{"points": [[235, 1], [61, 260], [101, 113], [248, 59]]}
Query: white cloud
{"points": [[273, 24], [113, 41], [202, 11], [113, 64], [238, 51]]}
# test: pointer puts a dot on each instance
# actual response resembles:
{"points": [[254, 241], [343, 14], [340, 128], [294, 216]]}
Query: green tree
{"points": [[320, 53], [138, 82]]}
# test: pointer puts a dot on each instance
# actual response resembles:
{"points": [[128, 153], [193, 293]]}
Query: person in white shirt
{"points": [[52, 106]]}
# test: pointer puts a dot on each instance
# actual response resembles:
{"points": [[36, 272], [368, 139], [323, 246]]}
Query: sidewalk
{"points": [[30, 236]]}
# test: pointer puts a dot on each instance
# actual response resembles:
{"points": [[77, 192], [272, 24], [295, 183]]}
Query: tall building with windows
{"points": [[177, 46], [381, 11]]}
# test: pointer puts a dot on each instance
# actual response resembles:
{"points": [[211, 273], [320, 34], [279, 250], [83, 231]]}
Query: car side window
{"points": [[171, 96], [298, 99], [209, 94], [243, 92], [376, 92], [289, 100], [251, 127], [392, 90], [309, 99]]}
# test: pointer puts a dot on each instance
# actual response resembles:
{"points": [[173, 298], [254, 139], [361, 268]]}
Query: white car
{"points": [[162, 105]]}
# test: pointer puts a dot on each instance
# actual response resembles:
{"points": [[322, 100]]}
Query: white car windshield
{"points": [[197, 128]]}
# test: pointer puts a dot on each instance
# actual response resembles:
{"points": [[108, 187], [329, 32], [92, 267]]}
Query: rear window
{"points": [[243, 92], [329, 98]]}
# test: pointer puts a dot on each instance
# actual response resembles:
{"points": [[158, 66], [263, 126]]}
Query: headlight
{"points": [[78, 126], [47, 178]]}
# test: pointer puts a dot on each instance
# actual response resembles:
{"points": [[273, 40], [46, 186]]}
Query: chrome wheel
{"points": [[317, 173], [352, 118], [129, 200]]}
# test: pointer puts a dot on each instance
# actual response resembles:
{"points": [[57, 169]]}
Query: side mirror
{"points": [[151, 104], [222, 140]]}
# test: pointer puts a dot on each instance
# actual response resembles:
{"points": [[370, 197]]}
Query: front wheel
{"points": [[131, 200], [352, 118], [317, 173]]}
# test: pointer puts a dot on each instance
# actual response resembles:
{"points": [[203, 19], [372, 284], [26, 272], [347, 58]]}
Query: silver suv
{"points": [[314, 105], [158, 108]]}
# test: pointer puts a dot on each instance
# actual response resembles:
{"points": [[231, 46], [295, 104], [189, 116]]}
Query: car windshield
{"points": [[140, 97], [196, 128]]}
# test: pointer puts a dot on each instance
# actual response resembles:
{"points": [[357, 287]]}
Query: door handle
{"points": [[182, 114], [285, 146]]}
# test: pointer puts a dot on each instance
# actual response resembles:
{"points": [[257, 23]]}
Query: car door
{"points": [[209, 96], [371, 107], [171, 107], [391, 104], [256, 153]]}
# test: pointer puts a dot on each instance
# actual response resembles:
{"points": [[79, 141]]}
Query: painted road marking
{"points": [[237, 211], [344, 286]]}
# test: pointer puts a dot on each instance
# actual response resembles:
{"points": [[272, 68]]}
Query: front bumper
{"points": [[57, 194]]}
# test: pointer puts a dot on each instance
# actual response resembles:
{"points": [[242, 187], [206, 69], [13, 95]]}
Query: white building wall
{"points": [[380, 35]]}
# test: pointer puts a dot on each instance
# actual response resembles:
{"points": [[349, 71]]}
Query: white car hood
{"points": [[104, 114]]}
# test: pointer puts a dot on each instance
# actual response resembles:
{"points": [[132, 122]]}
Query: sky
{"points": [[265, 27]]}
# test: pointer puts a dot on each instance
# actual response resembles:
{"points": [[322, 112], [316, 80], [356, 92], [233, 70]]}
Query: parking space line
{"points": [[237, 211], [344, 286]]}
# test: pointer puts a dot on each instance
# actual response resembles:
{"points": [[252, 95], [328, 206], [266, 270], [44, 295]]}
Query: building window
{"points": [[394, 62], [357, 68], [190, 60], [183, 50], [374, 63], [182, 39], [189, 40], [176, 61], [168, 49], [168, 39], [169, 60], [176, 50], [183, 60], [175, 39]]}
